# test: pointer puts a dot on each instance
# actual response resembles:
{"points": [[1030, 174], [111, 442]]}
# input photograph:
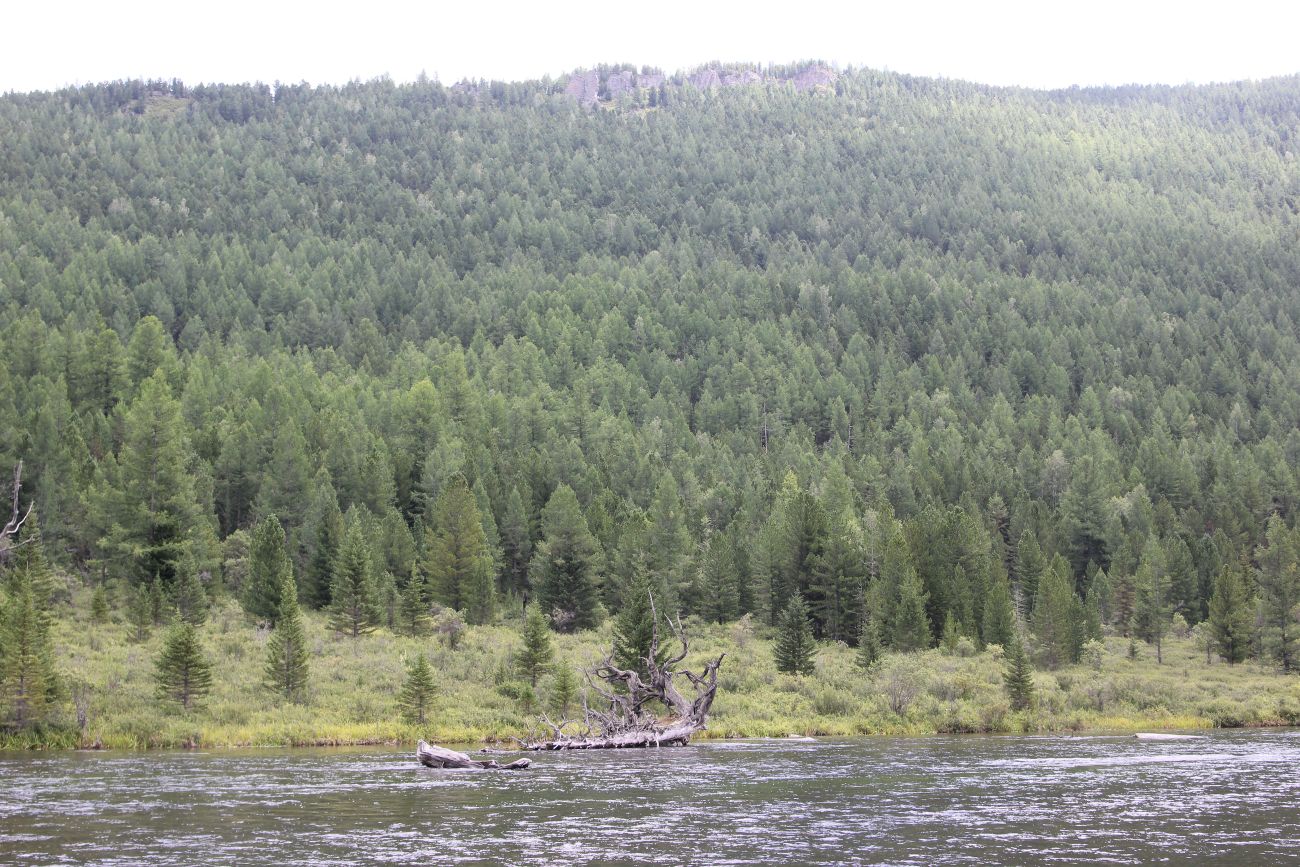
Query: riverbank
{"points": [[352, 696]]}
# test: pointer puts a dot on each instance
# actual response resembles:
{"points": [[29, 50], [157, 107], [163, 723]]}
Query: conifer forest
{"points": [[886, 374]]}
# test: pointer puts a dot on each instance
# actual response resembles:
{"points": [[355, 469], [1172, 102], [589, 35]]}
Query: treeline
{"points": [[937, 359]]}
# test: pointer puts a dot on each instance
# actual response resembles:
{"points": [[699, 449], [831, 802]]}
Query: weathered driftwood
{"points": [[631, 720], [440, 757], [1166, 736]]}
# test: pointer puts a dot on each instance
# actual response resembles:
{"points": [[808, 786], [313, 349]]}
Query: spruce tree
{"points": [[414, 614], [1018, 676], [326, 539], [286, 649], [183, 672], [517, 547], [1030, 564], [1057, 616], [535, 656], [417, 691], [795, 647], [999, 613], [188, 596], [139, 611], [911, 627], [1278, 577], [99, 605], [869, 648], [1232, 616], [155, 512], [268, 566], [564, 564], [634, 630], [354, 608], [1152, 608], [27, 676], [457, 560], [563, 691]]}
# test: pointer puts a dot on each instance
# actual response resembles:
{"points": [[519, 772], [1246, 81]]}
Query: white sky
{"points": [[1037, 44]]}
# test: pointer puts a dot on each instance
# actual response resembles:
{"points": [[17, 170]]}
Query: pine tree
{"points": [[517, 547], [837, 580], [188, 596], [999, 613], [1058, 616], [565, 563], [795, 647], [27, 675], [354, 608], [1232, 616], [155, 512], [417, 692], [563, 691], [184, 674], [326, 539], [99, 605], [1152, 608], [268, 566], [139, 611], [286, 649], [414, 613], [911, 626], [634, 629], [1019, 676], [1030, 564], [869, 649], [720, 579], [1278, 577], [535, 656], [457, 560]]}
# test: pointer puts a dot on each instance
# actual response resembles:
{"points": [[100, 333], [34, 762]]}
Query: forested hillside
{"points": [[939, 358]]}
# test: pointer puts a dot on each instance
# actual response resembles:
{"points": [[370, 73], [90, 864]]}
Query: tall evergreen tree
{"points": [[414, 613], [28, 682], [534, 658], [564, 567], [999, 614], [1019, 676], [1152, 608], [418, 691], [354, 604], [326, 538], [795, 648], [1030, 564], [517, 547], [1278, 577], [184, 674], [286, 649], [457, 560], [1232, 615], [634, 629], [155, 512], [268, 566], [1058, 616], [188, 596]]}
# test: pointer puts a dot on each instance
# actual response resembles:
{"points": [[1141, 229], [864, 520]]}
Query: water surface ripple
{"points": [[1231, 798]]}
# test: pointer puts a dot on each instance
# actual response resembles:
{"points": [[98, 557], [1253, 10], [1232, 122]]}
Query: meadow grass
{"points": [[354, 683]]}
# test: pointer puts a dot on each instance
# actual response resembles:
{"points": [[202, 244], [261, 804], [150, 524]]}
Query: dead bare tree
{"points": [[630, 719], [9, 533]]}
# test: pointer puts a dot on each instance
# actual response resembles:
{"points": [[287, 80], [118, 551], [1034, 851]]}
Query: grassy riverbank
{"points": [[354, 684]]}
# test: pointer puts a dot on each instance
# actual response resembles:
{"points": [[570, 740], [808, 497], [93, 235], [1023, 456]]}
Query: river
{"points": [[1233, 797]]}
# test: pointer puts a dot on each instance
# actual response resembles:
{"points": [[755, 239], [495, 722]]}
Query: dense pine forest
{"points": [[939, 364]]}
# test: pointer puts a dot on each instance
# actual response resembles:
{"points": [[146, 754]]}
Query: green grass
{"points": [[352, 698]]}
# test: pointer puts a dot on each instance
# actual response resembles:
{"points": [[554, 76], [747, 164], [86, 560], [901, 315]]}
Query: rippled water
{"points": [[1232, 798]]}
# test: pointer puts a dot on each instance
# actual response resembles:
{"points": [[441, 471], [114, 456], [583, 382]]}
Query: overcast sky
{"points": [[1036, 44]]}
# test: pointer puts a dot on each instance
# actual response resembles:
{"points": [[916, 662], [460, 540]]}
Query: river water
{"points": [[1233, 797]]}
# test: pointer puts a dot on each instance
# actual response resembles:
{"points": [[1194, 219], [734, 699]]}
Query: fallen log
{"points": [[440, 757], [1167, 736], [630, 721]]}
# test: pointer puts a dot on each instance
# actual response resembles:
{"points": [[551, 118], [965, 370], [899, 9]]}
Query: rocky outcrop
{"points": [[585, 86], [814, 77]]}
